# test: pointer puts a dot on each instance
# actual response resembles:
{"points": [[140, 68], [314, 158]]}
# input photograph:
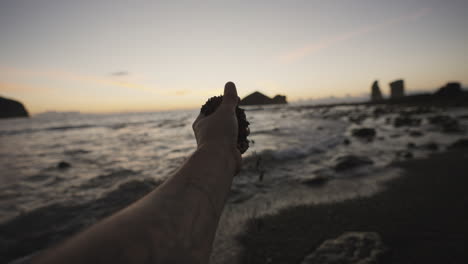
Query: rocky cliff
{"points": [[11, 108], [258, 98]]}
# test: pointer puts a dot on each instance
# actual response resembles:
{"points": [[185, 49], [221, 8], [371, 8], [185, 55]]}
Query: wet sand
{"points": [[422, 217]]}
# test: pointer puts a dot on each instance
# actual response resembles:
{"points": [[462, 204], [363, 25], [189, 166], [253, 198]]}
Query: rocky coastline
{"points": [[10, 108]]}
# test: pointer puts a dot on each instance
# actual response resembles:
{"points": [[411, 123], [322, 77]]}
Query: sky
{"points": [[118, 56]]}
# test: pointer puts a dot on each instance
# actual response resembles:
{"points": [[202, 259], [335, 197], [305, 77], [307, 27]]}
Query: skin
{"points": [[176, 222]]}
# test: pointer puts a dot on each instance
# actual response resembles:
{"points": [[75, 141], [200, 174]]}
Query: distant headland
{"points": [[257, 98], [451, 93], [10, 108]]}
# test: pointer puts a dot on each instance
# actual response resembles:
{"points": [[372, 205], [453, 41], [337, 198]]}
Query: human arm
{"points": [[176, 222]]}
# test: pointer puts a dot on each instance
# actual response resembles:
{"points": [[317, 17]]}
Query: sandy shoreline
{"points": [[421, 218]]}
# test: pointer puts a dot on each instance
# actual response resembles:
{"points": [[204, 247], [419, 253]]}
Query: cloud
{"points": [[76, 77], [17, 87], [312, 48], [109, 81], [120, 73], [181, 92]]}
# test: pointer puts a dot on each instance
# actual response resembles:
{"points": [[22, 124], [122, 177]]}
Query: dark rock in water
{"points": [[349, 248], [451, 89], [63, 165], [405, 154], [379, 111], [346, 141], [406, 121], [357, 118], [411, 145], [315, 181], [258, 98], [417, 110], [415, 133], [452, 127], [376, 94], [368, 133], [431, 146], [446, 123], [408, 155], [397, 89], [439, 119], [350, 162], [279, 99], [11, 108], [460, 144], [243, 125]]}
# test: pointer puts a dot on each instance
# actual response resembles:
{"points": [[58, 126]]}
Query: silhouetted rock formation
{"points": [[451, 94], [279, 99], [258, 98], [376, 95], [450, 89], [397, 89], [63, 165], [12, 108]]}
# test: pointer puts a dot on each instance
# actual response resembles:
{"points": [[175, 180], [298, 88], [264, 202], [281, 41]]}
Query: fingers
{"points": [[230, 99]]}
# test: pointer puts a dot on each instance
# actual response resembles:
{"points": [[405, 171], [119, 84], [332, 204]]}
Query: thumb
{"points": [[230, 98]]}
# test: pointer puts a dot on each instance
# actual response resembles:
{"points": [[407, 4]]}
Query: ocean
{"points": [[298, 155]]}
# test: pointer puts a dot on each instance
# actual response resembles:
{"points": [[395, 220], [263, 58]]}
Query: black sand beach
{"points": [[422, 218]]}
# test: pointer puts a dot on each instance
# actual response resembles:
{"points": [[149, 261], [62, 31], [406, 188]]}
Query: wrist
{"points": [[225, 152]]}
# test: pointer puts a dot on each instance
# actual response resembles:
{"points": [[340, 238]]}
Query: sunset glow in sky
{"points": [[114, 55]]}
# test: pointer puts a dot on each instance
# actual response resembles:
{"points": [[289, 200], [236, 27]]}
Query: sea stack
{"points": [[397, 89], [450, 89], [11, 108], [258, 98], [376, 94]]}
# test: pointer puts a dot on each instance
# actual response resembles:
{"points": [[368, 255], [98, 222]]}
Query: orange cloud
{"points": [[335, 39], [16, 87], [181, 92], [110, 81], [68, 76], [101, 81]]}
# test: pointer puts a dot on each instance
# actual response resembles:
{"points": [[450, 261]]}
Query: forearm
{"points": [[175, 223], [207, 175], [192, 201]]}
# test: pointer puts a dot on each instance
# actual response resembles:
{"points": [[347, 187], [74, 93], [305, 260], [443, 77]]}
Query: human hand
{"points": [[219, 130]]}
